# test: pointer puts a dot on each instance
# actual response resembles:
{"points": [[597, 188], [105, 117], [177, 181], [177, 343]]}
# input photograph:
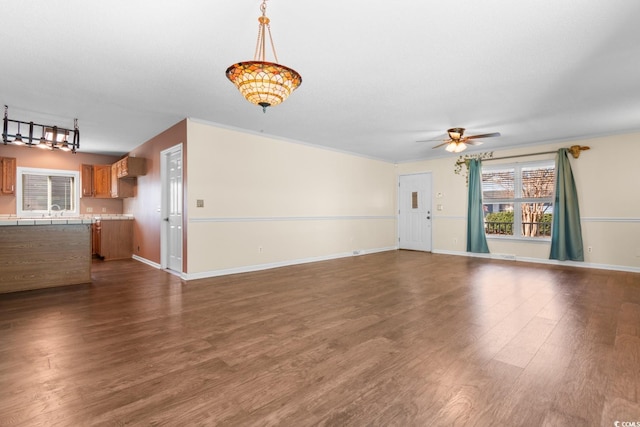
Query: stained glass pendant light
{"points": [[264, 83]]}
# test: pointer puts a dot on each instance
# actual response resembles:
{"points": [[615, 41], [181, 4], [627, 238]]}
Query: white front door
{"points": [[415, 212], [172, 208]]}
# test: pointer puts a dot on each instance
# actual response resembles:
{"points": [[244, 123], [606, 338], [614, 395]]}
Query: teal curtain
{"points": [[566, 231], [476, 239]]}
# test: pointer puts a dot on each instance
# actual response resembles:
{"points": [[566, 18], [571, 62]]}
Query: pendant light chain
{"points": [[264, 21]]}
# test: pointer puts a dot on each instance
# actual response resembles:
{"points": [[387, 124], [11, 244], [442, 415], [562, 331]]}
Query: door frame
{"points": [[164, 206], [398, 231]]}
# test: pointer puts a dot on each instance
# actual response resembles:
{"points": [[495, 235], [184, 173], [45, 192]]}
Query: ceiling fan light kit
{"points": [[260, 82], [457, 142], [456, 147]]}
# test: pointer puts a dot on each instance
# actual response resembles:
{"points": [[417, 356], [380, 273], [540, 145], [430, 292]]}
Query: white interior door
{"points": [[414, 212], [172, 208]]}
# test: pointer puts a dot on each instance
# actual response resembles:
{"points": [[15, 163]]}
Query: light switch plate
{"points": [[199, 203]]}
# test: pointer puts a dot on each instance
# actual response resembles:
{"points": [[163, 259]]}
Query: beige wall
{"points": [[270, 202], [606, 178], [36, 158]]}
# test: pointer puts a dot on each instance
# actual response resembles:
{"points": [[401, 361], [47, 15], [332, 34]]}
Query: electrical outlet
{"points": [[89, 209], [104, 210], [589, 249], [455, 240], [260, 249]]}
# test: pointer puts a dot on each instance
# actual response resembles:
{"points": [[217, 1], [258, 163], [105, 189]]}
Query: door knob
{"points": [[166, 219]]}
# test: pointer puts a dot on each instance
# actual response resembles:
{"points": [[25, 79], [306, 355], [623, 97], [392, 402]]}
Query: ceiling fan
{"points": [[457, 142]]}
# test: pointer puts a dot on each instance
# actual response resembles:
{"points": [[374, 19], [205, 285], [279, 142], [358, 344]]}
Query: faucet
{"points": [[54, 207]]}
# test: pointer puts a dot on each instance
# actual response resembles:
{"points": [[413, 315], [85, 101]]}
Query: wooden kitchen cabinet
{"points": [[130, 167], [123, 174], [96, 231], [121, 188], [96, 181], [86, 175], [7, 175], [113, 239], [102, 181]]}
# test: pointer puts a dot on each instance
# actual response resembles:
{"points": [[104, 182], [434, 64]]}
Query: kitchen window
{"points": [[518, 200], [47, 192]]}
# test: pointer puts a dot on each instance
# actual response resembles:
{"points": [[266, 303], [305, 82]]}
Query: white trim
{"points": [[543, 261], [583, 219], [164, 203], [146, 261], [288, 218], [508, 238], [21, 170], [582, 264], [156, 265], [608, 219], [458, 217], [258, 267]]}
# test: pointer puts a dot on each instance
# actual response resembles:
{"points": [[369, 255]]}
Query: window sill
{"points": [[520, 239]]}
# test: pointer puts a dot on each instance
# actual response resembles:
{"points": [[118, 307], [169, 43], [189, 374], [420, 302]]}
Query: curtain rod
{"points": [[574, 150]]}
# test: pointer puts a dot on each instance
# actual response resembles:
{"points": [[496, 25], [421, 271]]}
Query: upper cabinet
{"points": [[102, 181], [120, 188], [130, 167], [96, 181], [86, 176], [112, 181], [7, 175], [122, 173]]}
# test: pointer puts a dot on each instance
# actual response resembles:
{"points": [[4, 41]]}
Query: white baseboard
{"points": [[542, 261], [146, 261], [158, 266], [259, 267]]}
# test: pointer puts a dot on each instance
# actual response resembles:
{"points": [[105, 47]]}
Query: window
{"points": [[518, 200], [47, 192]]}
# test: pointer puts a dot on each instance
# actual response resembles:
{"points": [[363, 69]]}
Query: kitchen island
{"points": [[44, 253]]}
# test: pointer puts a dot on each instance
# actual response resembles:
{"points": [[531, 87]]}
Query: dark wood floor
{"points": [[397, 338]]}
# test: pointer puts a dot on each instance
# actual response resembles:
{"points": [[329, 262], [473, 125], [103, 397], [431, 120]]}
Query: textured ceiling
{"points": [[377, 76]]}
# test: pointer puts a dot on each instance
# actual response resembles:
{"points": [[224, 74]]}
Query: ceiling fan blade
{"points": [[439, 138], [473, 142], [444, 143], [484, 135]]}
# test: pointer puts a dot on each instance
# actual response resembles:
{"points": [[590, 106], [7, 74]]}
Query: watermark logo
{"points": [[626, 423]]}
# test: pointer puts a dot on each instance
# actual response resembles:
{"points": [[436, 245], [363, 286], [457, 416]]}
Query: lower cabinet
{"points": [[113, 239]]}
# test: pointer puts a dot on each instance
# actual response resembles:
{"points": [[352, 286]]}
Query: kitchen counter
{"points": [[10, 220], [35, 255]]}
